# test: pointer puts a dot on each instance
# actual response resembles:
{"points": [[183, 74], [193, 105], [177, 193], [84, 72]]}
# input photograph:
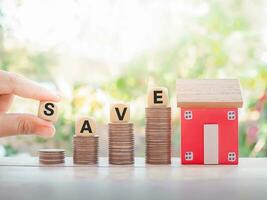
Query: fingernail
{"points": [[46, 131]]}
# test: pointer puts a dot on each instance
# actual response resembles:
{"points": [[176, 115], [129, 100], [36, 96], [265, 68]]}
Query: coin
{"points": [[121, 143], [51, 156], [85, 150], [158, 135]]}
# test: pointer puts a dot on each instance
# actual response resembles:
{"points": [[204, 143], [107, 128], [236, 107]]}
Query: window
{"points": [[231, 156], [189, 155], [188, 115], [231, 115]]}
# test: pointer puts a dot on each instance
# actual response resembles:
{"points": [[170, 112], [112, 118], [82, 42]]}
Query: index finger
{"points": [[11, 83]]}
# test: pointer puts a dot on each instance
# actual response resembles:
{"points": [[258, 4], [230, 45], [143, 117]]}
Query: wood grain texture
{"points": [[48, 110], [209, 93], [211, 144], [119, 113], [85, 126], [157, 97]]}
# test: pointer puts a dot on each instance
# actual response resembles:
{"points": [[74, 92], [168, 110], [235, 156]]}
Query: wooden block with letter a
{"points": [[85, 126], [48, 110]]}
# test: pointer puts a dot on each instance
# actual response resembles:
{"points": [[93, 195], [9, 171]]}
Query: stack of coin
{"points": [[121, 143], [51, 156], [158, 135], [85, 150]]}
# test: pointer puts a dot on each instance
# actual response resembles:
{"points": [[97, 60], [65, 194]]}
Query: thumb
{"points": [[24, 124]]}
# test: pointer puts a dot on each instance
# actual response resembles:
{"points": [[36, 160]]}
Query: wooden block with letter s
{"points": [[48, 110]]}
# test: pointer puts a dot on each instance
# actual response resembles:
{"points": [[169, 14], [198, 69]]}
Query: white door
{"points": [[211, 147]]}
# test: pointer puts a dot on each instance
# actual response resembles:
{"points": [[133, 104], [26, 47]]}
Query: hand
{"points": [[15, 124]]}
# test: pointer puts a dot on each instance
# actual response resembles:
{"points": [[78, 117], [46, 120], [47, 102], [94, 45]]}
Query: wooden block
{"points": [[211, 144], [208, 93], [48, 110], [85, 126], [119, 113], [158, 97]]}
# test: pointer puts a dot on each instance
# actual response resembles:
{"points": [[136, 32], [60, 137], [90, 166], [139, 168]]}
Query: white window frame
{"points": [[189, 156], [231, 156], [188, 115], [231, 115]]}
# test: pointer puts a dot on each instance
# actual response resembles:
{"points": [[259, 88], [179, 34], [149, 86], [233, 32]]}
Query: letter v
{"points": [[121, 116]]}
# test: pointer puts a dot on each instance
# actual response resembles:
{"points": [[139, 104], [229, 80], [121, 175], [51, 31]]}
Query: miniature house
{"points": [[209, 120]]}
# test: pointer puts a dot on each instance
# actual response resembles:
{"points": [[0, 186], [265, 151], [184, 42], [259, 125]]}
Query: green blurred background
{"points": [[99, 52]]}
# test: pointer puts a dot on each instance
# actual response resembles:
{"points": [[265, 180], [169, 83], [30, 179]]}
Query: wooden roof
{"points": [[209, 93]]}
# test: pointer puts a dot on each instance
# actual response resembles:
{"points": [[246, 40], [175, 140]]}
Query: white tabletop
{"points": [[26, 179]]}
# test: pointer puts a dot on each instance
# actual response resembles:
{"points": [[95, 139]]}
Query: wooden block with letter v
{"points": [[121, 137], [119, 113]]}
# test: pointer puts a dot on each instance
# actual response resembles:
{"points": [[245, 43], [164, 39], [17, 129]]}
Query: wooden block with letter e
{"points": [[158, 97], [119, 113], [48, 110], [85, 126]]}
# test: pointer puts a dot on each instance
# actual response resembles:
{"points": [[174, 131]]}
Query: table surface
{"points": [[26, 179]]}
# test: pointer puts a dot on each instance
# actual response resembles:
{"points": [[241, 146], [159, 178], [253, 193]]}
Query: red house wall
{"points": [[192, 134]]}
